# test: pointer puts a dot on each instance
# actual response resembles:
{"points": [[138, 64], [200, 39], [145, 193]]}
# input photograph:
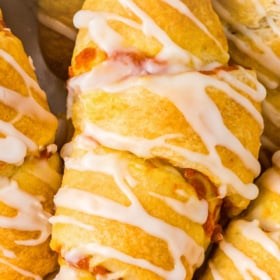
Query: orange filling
{"points": [[206, 190]]}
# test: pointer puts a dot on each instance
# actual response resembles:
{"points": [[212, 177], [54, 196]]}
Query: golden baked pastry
{"points": [[26, 124], [253, 32], [161, 141], [115, 201], [250, 248], [57, 33], [163, 31], [267, 206], [30, 169], [246, 252], [26, 204], [166, 119]]}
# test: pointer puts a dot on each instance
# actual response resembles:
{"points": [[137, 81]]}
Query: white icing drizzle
{"points": [[109, 252], [234, 82], [116, 75], [243, 263], [265, 56], [30, 216], [57, 26], [109, 40], [135, 214], [194, 209], [7, 253], [17, 143], [179, 242], [144, 148], [68, 273], [14, 155], [10, 130], [62, 219], [21, 271], [205, 120], [252, 232], [30, 83], [181, 193], [25, 105], [109, 76], [182, 8]]}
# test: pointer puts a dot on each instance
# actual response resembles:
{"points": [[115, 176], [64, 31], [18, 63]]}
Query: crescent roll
{"points": [[30, 168], [160, 30], [253, 32], [26, 123], [26, 204], [166, 135], [246, 252], [251, 243], [129, 201]]}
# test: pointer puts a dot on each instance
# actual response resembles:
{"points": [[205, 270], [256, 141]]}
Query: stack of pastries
{"points": [[168, 112], [253, 31], [29, 166], [166, 141]]}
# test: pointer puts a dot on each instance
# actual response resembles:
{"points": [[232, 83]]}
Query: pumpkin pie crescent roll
{"points": [[26, 204], [251, 243], [141, 218], [30, 169], [26, 123]]}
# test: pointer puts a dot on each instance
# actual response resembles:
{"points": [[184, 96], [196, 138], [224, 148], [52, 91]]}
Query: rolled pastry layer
{"points": [[26, 204], [191, 119], [57, 33], [26, 124], [111, 202], [161, 30], [29, 166], [251, 244], [253, 31], [246, 252], [161, 141]]}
